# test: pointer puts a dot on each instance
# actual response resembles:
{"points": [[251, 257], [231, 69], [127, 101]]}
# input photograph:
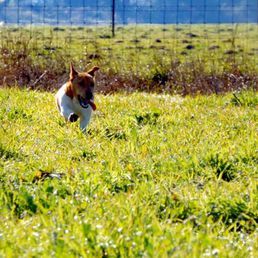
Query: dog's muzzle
{"points": [[86, 102]]}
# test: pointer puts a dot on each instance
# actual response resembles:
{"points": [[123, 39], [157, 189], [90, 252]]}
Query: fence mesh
{"points": [[105, 13], [135, 33]]}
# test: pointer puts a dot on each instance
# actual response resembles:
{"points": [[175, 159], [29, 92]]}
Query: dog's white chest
{"points": [[79, 110]]}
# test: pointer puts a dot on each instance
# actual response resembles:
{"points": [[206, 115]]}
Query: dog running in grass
{"points": [[75, 99]]}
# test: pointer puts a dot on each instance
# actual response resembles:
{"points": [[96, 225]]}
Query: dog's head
{"points": [[82, 84]]}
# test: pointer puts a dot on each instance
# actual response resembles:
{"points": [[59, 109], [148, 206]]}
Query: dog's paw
{"points": [[73, 117]]}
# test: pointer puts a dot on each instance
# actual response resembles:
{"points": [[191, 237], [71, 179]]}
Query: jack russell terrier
{"points": [[75, 98]]}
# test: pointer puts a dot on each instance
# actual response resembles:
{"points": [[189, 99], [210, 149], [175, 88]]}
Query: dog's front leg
{"points": [[69, 115], [84, 121], [73, 117]]}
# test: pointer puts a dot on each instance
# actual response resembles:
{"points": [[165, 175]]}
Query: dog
{"points": [[75, 99]]}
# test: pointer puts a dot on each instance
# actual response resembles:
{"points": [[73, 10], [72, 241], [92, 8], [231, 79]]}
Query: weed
{"points": [[88, 155], [85, 155], [115, 134], [236, 215], [22, 203], [147, 118], [8, 154], [224, 169], [242, 99], [121, 186], [175, 210], [16, 113]]}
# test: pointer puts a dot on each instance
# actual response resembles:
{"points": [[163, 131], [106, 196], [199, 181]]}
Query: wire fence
{"points": [[87, 12], [115, 13], [135, 33]]}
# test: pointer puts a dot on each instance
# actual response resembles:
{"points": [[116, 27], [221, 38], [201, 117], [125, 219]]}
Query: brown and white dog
{"points": [[75, 99]]}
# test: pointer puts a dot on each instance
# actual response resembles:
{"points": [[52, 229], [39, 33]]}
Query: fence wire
{"points": [[87, 12], [114, 13], [136, 32]]}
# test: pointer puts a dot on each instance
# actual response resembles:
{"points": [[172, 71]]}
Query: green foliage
{"points": [[224, 169], [148, 118], [243, 99], [234, 214], [154, 176], [7, 154]]}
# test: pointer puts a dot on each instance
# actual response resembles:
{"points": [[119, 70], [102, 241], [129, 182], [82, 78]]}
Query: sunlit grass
{"points": [[155, 176]]}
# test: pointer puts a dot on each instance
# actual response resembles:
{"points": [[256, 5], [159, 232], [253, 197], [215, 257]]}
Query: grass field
{"points": [[155, 176]]}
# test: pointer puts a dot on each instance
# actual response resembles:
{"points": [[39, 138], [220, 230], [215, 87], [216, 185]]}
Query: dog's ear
{"points": [[93, 70], [73, 72]]}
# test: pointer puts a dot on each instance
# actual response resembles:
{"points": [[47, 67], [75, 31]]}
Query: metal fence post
{"points": [[113, 17]]}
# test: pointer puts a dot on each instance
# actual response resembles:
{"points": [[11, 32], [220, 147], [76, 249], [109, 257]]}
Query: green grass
{"points": [[155, 176]]}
